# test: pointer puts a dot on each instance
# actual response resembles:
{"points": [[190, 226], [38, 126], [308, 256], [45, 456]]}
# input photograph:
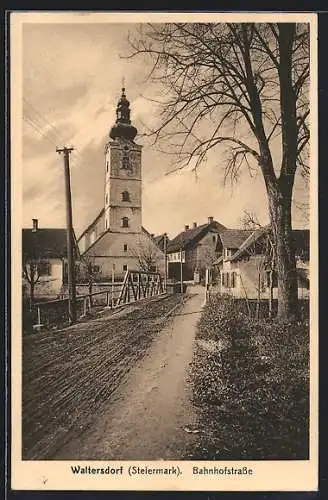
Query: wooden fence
{"points": [[135, 287]]}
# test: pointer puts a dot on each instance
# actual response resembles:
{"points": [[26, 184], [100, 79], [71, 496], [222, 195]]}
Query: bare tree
{"points": [[147, 255], [31, 273], [244, 86], [249, 220]]}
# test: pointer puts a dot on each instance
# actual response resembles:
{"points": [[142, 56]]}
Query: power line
{"points": [[38, 126], [37, 129], [52, 127]]}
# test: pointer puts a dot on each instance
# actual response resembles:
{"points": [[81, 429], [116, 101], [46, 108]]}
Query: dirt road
{"points": [[69, 375], [150, 416]]}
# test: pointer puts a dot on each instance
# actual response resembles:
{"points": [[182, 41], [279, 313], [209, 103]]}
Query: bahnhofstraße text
{"points": [[174, 470]]}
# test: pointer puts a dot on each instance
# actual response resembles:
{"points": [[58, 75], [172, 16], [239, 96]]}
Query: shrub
{"points": [[255, 392], [221, 321]]}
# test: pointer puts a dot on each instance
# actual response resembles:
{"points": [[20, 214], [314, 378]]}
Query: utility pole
{"points": [[165, 261], [70, 242]]}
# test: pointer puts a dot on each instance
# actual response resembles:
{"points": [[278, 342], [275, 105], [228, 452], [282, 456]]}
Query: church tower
{"points": [[123, 182], [116, 236]]}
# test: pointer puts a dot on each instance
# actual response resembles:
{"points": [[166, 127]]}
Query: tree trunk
{"points": [[32, 285], [280, 214]]}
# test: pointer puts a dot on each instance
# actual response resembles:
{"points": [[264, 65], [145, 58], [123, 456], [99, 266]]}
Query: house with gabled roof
{"points": [[44, 252], [196, 248], [246, 271]]}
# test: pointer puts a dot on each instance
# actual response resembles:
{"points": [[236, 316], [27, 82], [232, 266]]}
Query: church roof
{"points": [[91, 224]]}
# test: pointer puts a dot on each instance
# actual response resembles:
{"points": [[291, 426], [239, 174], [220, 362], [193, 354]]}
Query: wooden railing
{"points": [[136, 286]]}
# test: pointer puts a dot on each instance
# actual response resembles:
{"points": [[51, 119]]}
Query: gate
{"points": [[139, 285]]}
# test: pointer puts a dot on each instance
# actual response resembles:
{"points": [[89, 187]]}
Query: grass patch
{"points": [[252, 389]]}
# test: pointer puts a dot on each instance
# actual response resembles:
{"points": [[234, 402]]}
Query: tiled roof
{"points": [[301, 238], [233, 238], [45, 243], [253, 236], [189, 238]]}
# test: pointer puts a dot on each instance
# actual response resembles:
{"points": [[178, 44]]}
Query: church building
{"points": [[116, 239]]}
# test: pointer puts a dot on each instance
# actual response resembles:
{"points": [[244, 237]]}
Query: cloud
{"points": [[72, 80]]}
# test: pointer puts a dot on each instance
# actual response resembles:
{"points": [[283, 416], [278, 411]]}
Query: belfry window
{"points": [[125, 222], [125, 162], [125, 196]]}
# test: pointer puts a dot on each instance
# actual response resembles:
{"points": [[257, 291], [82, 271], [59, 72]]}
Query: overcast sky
{"points": [[72, 78]]}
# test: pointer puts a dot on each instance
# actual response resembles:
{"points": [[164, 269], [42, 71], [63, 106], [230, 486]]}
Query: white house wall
{"points": [[109, 251], [48, 286], [247, 279]]}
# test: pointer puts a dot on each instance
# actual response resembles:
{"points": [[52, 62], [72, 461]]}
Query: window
{"points": [[233, 280], [125, 247], [107, 166], [125, 196], [125, 267], [125, 222], [228, 280], [44, 268], [95, 269], [125, 161], [214, 239], [227, 252], [223, 279]]}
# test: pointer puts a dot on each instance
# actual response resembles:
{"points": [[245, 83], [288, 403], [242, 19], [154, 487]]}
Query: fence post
{"points": [[113, 281], [139, 286], [39, 324], [107, 301]]}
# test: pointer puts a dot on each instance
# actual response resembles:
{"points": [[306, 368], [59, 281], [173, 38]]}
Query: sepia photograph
{"points": [[166, 233]]}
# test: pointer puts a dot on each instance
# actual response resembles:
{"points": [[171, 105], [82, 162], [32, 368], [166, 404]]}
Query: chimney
{"points": [[210, 220], [194, 224], [186, 228], [35, 225]]}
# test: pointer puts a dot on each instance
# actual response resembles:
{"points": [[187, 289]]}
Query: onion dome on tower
{"points": [[123, 127]]}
